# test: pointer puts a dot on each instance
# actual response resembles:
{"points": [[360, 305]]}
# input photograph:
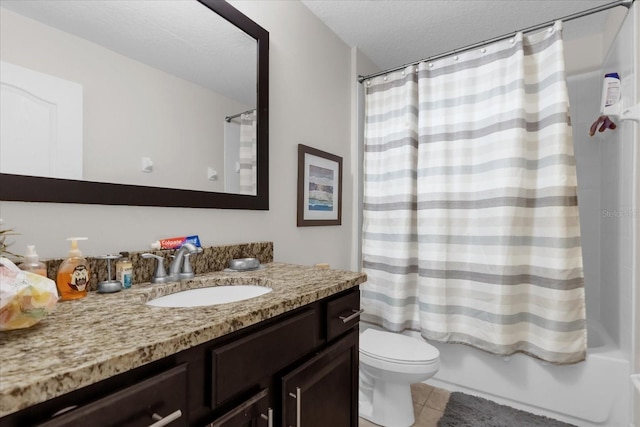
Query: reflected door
{"points": [[40, 120]]}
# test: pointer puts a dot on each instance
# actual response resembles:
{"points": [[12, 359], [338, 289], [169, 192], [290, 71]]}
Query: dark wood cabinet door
{"points": [[242, 364], [324, 391], [255, 412]]}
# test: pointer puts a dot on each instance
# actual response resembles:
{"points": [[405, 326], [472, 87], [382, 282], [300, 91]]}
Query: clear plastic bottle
{"points": [[31, 262], [124, 270], [73, 273]]}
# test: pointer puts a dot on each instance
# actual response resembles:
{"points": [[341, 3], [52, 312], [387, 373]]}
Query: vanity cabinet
{"points": [[298, 369]]}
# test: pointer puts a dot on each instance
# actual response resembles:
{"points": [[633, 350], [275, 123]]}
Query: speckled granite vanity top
{"points": [[85, 341]]}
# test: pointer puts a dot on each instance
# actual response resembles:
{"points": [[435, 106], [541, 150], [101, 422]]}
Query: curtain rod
{"points": [[625, 3], [229, 118]]}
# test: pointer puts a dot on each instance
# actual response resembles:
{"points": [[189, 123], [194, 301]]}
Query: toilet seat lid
{"points": [[396, 347]]}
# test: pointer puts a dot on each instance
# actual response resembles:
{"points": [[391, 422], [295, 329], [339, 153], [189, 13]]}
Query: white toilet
{"points": [[389, 364]]}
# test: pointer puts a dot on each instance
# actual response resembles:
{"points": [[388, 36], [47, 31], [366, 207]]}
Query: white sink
{"points": [[209, 296]]}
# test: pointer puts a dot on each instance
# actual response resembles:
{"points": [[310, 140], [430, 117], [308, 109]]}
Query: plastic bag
{"points": [[25, 298]]}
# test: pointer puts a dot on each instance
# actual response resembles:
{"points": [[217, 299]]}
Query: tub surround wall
{"points": [[635, 273], [632, 266], [617, 202], [61, 353], [213, 258], [584, 93]]}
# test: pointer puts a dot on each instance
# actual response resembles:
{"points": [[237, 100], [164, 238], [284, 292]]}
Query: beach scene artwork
{"points": [[321, 182], [319, 188]]}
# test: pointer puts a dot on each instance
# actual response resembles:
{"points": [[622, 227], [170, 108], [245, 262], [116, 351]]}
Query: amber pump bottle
{"points": [[73, 274]]}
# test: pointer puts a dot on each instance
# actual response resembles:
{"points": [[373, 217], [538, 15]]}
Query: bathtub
{"points": [[592, 393]]}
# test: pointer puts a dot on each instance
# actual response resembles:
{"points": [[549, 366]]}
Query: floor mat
{"points": [[464, 410]]}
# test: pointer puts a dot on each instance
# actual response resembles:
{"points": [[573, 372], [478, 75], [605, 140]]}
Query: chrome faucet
{"points": [[180, 267]]}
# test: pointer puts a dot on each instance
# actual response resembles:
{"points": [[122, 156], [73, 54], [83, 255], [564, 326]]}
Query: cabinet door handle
{"points": [[298, 398], [163, 421], [269, 418], [347, 319]]}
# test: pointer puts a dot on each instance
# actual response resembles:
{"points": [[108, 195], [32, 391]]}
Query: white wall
{"points": [[309, 104]]}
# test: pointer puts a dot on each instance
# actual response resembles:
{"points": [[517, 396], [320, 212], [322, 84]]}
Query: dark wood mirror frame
{"points": [[39, 189]]}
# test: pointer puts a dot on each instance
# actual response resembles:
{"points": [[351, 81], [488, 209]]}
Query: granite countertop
{"points": [[91, 339]]}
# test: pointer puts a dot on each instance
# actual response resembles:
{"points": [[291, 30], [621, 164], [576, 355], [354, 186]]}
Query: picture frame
{"points": [[319, 187]]}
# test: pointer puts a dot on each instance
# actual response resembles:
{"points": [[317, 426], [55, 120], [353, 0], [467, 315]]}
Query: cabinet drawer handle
{"points": [[161, 422], [298, 398], [347, 319], [269, 418]]}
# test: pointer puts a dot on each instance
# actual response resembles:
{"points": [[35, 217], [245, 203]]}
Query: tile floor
{"points": [[428, 405]]}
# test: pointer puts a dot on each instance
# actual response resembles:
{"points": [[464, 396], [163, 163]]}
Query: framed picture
{"points": [[319, 187]]}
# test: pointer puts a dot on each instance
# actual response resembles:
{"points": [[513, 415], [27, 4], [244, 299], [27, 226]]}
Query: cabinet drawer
{"points": [[254, 412], [342, 314], [243, 363], [161, 396]]}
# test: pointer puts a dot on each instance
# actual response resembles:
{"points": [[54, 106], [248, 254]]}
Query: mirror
{"points": [[146, 129]]}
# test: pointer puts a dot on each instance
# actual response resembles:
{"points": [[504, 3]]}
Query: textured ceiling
{"points": [[396, 32]]}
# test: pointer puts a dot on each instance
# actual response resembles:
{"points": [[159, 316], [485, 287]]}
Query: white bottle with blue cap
{"points": [[610, 105]]}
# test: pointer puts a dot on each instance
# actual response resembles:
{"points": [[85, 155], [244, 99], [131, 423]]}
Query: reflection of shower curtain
{"points": [[471, 230], [248, 172]]}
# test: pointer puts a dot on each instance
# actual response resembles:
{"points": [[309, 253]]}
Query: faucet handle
{"points": [[160, 275], [187, 272]]}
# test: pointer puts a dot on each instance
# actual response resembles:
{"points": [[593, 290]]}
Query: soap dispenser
{"points": [[73, 273], [32, 263]]}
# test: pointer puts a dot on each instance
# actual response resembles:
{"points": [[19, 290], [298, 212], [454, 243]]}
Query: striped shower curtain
{"points": [[470, 228], [248, 153]]}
